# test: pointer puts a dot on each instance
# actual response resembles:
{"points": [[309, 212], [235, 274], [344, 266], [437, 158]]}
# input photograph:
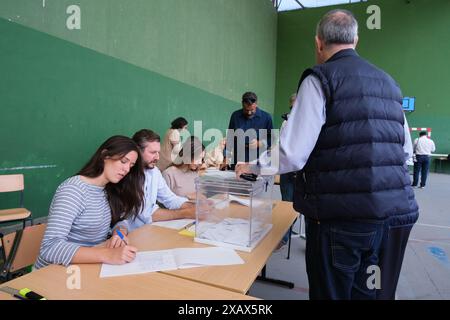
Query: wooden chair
{"points": [[11, 183], [21, 249]]}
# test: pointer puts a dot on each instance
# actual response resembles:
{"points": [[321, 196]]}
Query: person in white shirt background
{"points": [[423, 147]]}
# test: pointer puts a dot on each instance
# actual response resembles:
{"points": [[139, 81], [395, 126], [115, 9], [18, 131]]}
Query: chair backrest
{"points": [[11, 182], [29, 246]]}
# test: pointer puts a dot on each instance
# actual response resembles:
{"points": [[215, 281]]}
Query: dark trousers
{"points": [[354, 260], [391, 260], [421, 166]]}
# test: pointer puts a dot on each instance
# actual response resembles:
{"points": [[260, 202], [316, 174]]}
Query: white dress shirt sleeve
{"points": [[407, 146], [165, 196], [299, 136]]}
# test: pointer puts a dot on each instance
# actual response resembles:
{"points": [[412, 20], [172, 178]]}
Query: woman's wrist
{"points": [[103, 254]]}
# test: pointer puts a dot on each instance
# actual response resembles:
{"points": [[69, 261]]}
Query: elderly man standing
{"points": [[352, 183]]}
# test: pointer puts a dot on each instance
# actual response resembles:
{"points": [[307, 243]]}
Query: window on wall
{"points": [[287, 5]]}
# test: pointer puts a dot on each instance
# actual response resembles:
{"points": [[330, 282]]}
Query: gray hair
{"points": [[337, 26]]}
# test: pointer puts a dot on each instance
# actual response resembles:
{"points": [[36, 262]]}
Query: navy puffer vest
{"points": [[357, 169]]}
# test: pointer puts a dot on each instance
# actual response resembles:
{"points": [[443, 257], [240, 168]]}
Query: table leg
{"points": [[263, 277]]}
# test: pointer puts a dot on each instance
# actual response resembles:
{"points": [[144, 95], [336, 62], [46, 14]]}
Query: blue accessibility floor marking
{"points": [[440, 255]]}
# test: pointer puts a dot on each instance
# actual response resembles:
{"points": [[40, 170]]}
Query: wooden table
{"points": [[50, 282], [237, 278], [206, 283]]}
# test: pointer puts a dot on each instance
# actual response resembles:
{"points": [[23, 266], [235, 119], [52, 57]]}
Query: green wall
{"points": [[64, 92], [413, 46], [225, 47]]}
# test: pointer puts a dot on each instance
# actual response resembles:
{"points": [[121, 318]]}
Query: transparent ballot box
{"points": [[232, 212]]}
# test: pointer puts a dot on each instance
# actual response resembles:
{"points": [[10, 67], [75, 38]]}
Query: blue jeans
{"points": [[421, 166], [340, 256], [287, 192], [287, 186]]}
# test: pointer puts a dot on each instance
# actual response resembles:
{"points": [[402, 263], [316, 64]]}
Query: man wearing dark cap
{"points": [[254, 137]]}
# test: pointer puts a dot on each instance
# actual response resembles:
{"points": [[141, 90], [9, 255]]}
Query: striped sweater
{"points": [[79, 216]]}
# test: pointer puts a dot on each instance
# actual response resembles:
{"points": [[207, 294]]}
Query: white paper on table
{"points": [[174, 224], [199, 257], [232, 230], [146, 261], [163, 260]]}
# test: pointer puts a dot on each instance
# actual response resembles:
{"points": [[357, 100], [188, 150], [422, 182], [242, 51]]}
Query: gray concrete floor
{"points": [[426, 267]]}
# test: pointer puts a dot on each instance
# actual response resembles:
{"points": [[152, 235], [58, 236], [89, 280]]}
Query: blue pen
{"points": [[190, 225], [121, 236]]}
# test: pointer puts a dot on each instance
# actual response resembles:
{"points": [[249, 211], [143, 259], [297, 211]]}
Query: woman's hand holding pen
{"points": [[115, 242], [119, 239], [120, 255], [120, 252]]}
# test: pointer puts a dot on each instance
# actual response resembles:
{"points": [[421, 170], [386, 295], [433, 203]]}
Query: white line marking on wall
{"points": [[45, 166]]}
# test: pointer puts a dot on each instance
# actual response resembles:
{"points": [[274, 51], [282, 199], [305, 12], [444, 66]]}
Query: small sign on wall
{"points": [[409, 104]]}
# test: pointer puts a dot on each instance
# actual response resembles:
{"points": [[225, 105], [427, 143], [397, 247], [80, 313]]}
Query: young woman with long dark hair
{"points": [[107, 189]]}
